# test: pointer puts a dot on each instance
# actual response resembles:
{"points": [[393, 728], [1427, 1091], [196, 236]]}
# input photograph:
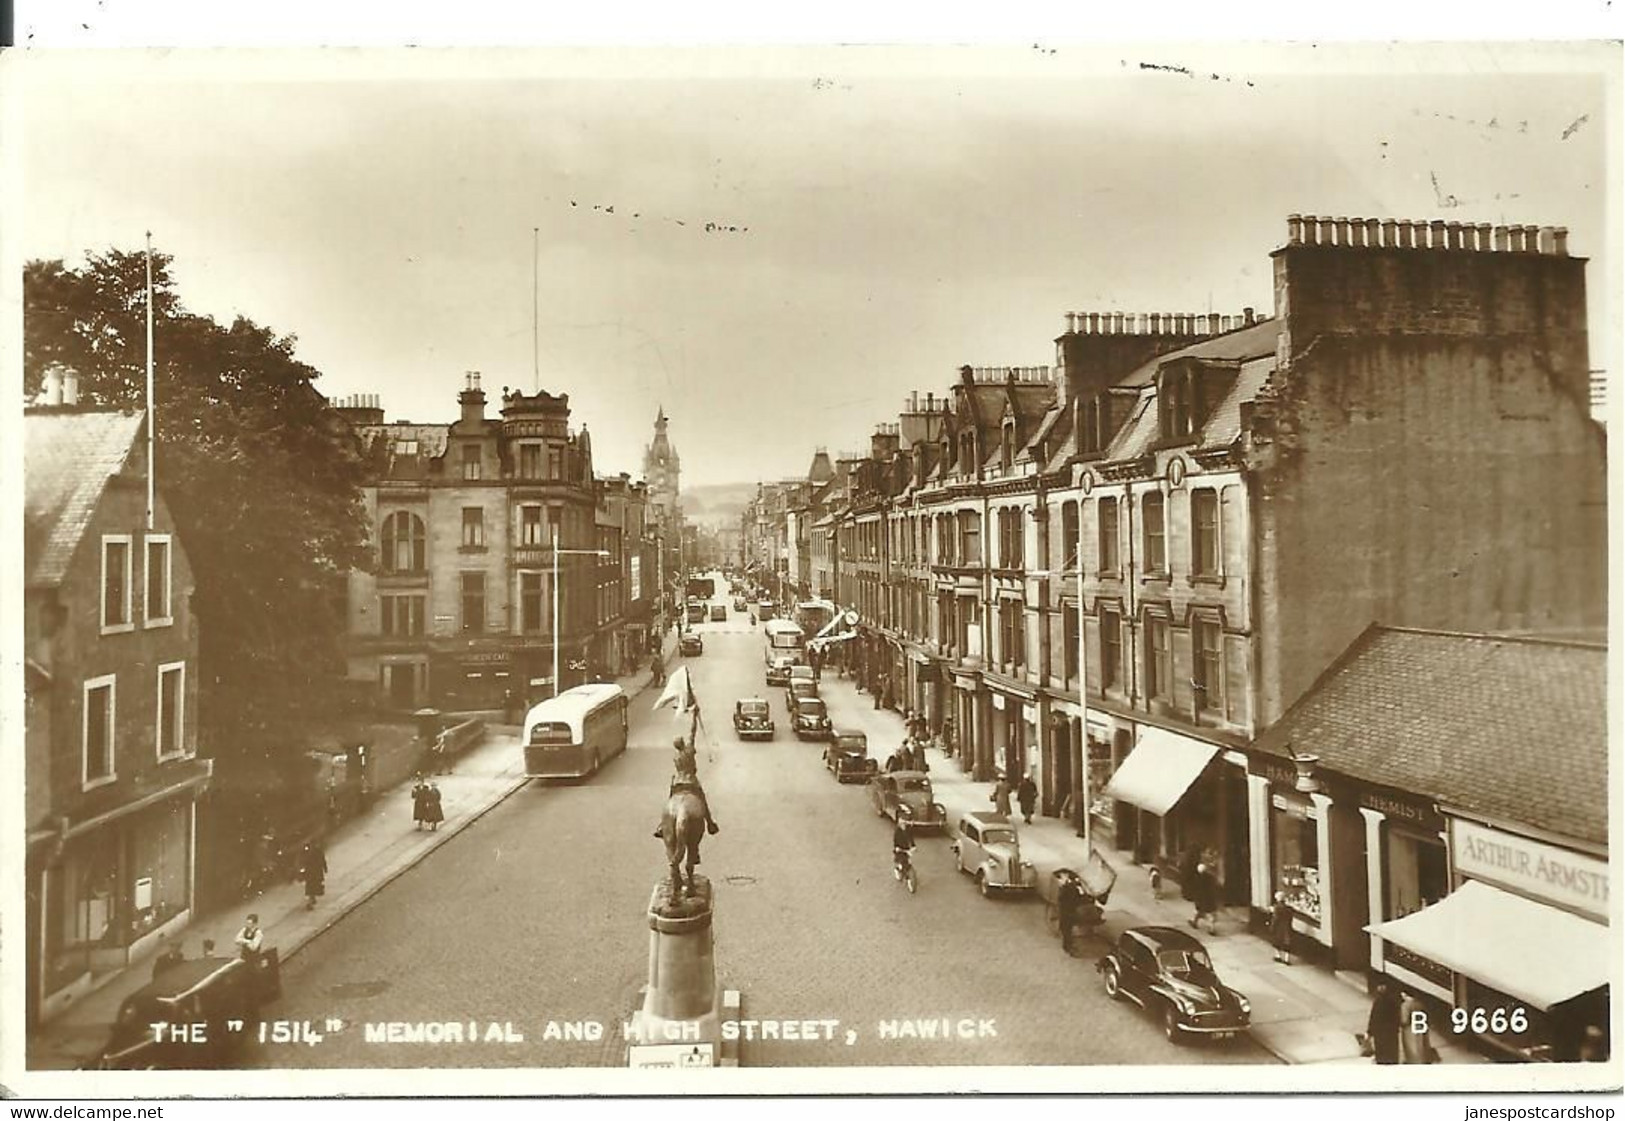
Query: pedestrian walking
{"points": [[1204, 896], [420, 802], [313, 867], [250, 939], [432, 812], [1027, 797], [947, 736], [1382, 1026], [1415, 1046], [1281, 929], [1001, 796], [889, 699]]}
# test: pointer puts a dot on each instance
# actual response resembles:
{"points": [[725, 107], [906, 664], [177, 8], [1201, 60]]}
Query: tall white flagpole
{"points": [[535, 308], [151, 488]]}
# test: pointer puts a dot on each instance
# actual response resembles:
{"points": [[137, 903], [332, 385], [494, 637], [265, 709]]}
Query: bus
{"points": [[700, 587], [784, 647], [573, 734]]}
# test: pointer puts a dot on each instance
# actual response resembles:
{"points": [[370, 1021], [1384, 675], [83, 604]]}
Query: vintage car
{"points": [[1168, 972], [847, 757], [753, 719], [809, 719], [212, 991], [797, 692], [905, 797], [691, 643], [986, 846], [696, 611], [765, 610], [801, 673], [739, 603], [719, 613]]}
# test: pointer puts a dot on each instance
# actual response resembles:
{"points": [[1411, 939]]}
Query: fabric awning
{"points": [[1511, 944], [1157, 773]]}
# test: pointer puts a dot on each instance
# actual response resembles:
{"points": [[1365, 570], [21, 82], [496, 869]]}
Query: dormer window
{"points": [[967, 454], [1092, 425], [1007, 444], [1180, 405]]}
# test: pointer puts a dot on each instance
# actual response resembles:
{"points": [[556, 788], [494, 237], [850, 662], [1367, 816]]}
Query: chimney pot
{"points": [[1294, 229], [1156, 323], [1328, 231], [1437, 236], [1458, 236], [70, 387], [53, 386], [1373, 233], [1484, 238], [1342, 230], [1071, 322], [1560, 241], [1247, 316], [1213, 323], [1516, 238], [1531, 239], [1145, 323], [1357, 232], [1390, 232], [1311, 230], [1502, 242], [1117, 323], [1546, 239]]}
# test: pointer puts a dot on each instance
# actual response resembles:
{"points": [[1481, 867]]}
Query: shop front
{"points": [[1523, 938], [1188, 798], [471, 681]]}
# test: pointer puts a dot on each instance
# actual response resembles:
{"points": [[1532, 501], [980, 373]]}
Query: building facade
{"points": [[466, 516], [111, 767]]}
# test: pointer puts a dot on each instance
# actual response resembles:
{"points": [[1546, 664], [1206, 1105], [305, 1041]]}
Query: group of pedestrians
{"points": [[426, 809], [1026, 795]]}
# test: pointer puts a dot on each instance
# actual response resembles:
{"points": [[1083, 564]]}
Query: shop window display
{"points": [[1417, 875], [1296, 843], [1100, 773]]}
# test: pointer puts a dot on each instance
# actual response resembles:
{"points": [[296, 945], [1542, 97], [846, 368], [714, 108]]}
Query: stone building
{"points": [[459, 614], [111, 773]]}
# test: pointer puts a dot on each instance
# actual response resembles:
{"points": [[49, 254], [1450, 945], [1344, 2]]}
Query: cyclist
{"points": [[902, 844]]}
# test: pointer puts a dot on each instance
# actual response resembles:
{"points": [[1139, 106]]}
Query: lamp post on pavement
{"points": [[557, 631]]}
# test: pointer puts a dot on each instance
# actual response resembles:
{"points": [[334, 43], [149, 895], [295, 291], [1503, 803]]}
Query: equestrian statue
{"points": [[686, 820]]}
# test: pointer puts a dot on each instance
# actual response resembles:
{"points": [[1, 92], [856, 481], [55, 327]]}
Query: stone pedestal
{"points": [[681, 1003]]}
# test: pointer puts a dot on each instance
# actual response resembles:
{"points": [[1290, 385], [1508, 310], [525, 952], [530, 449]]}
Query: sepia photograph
{"points": [[711, 570]]}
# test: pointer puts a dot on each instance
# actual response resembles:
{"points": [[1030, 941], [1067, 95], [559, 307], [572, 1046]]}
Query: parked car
{"points": [[212, 991], [739, 603], [847, 757], [753, 719], [691, 643], [797, 692], [809, 719], [719, 613], [1169, 973], [905, 797], [987, 847]]}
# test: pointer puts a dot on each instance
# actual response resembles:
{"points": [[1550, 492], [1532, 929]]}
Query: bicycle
{"points": [[903, 870]]}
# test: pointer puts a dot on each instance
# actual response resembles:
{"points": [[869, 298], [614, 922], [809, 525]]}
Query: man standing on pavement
{"points": [[1027, 797], [250, 939]]}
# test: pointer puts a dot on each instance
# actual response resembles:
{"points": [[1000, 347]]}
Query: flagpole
{"points": [[535, 305], [151, 487]]}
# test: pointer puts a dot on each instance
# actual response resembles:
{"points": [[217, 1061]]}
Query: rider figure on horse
{"points": [[686, 776]]}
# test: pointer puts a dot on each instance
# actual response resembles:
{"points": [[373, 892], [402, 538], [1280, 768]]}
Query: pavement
{"points": [[363, 856], [1301, 1013]]}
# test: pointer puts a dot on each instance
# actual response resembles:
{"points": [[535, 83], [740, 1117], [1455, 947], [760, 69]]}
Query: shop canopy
{"points": [[1157, 773], [1510, 944]]}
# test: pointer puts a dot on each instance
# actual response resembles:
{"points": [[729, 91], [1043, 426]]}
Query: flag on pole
{"points": [[679, 693]]}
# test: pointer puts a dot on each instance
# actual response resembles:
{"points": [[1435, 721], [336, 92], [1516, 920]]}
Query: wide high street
{"points": [[536, 914]]}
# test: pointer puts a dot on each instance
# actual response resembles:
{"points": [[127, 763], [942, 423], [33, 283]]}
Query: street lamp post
{"points": [[1083, 696], [557, 630]]}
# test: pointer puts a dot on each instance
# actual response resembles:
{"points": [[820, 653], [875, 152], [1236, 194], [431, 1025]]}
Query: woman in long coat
{"points": [[420, 803], [1383, 1024], [314, 867], [431, 807], [1001, 797], [1027, 797]]}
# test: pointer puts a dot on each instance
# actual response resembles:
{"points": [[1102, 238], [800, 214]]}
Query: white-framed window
{"points": [[530, 525], [170, 734], [117, 574], [97, 762], [158, 609]]}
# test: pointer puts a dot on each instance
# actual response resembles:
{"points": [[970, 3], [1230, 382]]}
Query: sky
{"points": [[881, 216]]}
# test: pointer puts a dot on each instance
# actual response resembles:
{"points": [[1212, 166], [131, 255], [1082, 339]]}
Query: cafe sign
{"points": [[1570, 880]]}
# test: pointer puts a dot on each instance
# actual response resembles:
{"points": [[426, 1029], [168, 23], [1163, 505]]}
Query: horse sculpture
{"points": [[682, 826]]}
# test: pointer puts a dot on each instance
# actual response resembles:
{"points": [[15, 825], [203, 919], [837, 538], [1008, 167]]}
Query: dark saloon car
{"points": [[753, 719], [905, 797], [847, 757], [211, 991], [719, 613], [798, 691], [809, 719], [1168, 972], [691, 643]]}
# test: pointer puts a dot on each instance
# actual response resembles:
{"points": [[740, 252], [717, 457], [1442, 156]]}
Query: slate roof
{"points": [[1512, 728], [68, 458], [431, 438], [1244, 345]]}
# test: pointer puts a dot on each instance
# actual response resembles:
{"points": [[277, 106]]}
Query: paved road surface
{"points": [[536, 914]]}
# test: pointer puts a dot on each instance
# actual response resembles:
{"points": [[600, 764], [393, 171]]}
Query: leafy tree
{"points": [[263, 481]]}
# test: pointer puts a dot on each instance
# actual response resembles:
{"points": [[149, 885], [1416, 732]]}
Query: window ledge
{"points": [[92, 784], [173, 756], [472, 548], [1161, 576], [1204, 580], [118, 628], [164, 621]]}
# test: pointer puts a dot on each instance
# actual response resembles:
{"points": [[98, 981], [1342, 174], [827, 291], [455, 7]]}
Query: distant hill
{"points": [[717, 504]]}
